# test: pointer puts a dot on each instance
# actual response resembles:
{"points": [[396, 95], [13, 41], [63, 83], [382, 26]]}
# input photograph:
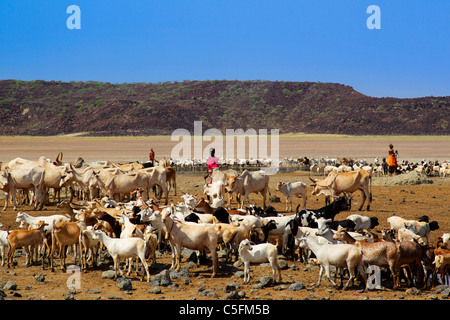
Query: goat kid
{"points": [[124, 248], [258, 254]]}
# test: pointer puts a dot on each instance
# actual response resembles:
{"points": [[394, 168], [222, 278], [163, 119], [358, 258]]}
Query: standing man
{"points": [[151, 156]]}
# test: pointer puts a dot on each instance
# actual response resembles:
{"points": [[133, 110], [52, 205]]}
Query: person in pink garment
{"points": [[212, 161]]}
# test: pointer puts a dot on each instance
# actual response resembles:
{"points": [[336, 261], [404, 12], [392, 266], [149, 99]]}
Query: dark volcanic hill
{"points": [[53, 107]]}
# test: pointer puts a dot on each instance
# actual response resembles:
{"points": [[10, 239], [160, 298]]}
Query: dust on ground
{"points": [[408, 201]]}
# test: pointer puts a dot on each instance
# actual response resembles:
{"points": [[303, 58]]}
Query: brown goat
{"points": [[410, 258], [25, 238], [442, 260], [66, 234], [384, 253]]}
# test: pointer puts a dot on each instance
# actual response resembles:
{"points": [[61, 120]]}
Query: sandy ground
{"points": [[119, 149], [406, 201]]}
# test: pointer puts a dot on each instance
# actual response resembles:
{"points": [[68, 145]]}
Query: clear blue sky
{"points": [[286, 40]]}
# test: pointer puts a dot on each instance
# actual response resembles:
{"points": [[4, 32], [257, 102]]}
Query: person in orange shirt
{"points": [[392, 160]]}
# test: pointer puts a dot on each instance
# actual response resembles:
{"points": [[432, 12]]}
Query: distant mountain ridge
{"points": [[101, 108]]}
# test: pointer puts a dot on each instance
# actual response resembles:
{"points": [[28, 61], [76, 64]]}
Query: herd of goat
{"points": [[142, 225]]}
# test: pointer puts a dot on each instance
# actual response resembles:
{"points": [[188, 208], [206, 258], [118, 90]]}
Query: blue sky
{"points": [[285, 40]]}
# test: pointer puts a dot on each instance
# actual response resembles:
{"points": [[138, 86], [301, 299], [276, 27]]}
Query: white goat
{"points": [[215, 188], [363, 222], [124, 248], [396, 222], [190, 200], [421, 228], [259, 253], [249, 220], [4, 244], [33, 222], [217, 202], [129, 231], [339, 255], [289, 189]]}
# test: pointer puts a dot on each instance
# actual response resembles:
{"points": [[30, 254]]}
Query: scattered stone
{"points": [[297, 286], [446, 292], [92, 291], [161, 279], [69, 296], [190, 265], [40, 278], [109, 274], [201, 289], [10, 285], [124, 284], [181, 274], [412, 291], [155, 290], [231, 286], [443, 289], [239, 274], [265, 281], [213, 295], [114, 298], [280, 287], [283, 264], [233, 295]]}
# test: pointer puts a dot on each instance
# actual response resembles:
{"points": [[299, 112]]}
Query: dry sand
{"points": [[136, 148]]}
